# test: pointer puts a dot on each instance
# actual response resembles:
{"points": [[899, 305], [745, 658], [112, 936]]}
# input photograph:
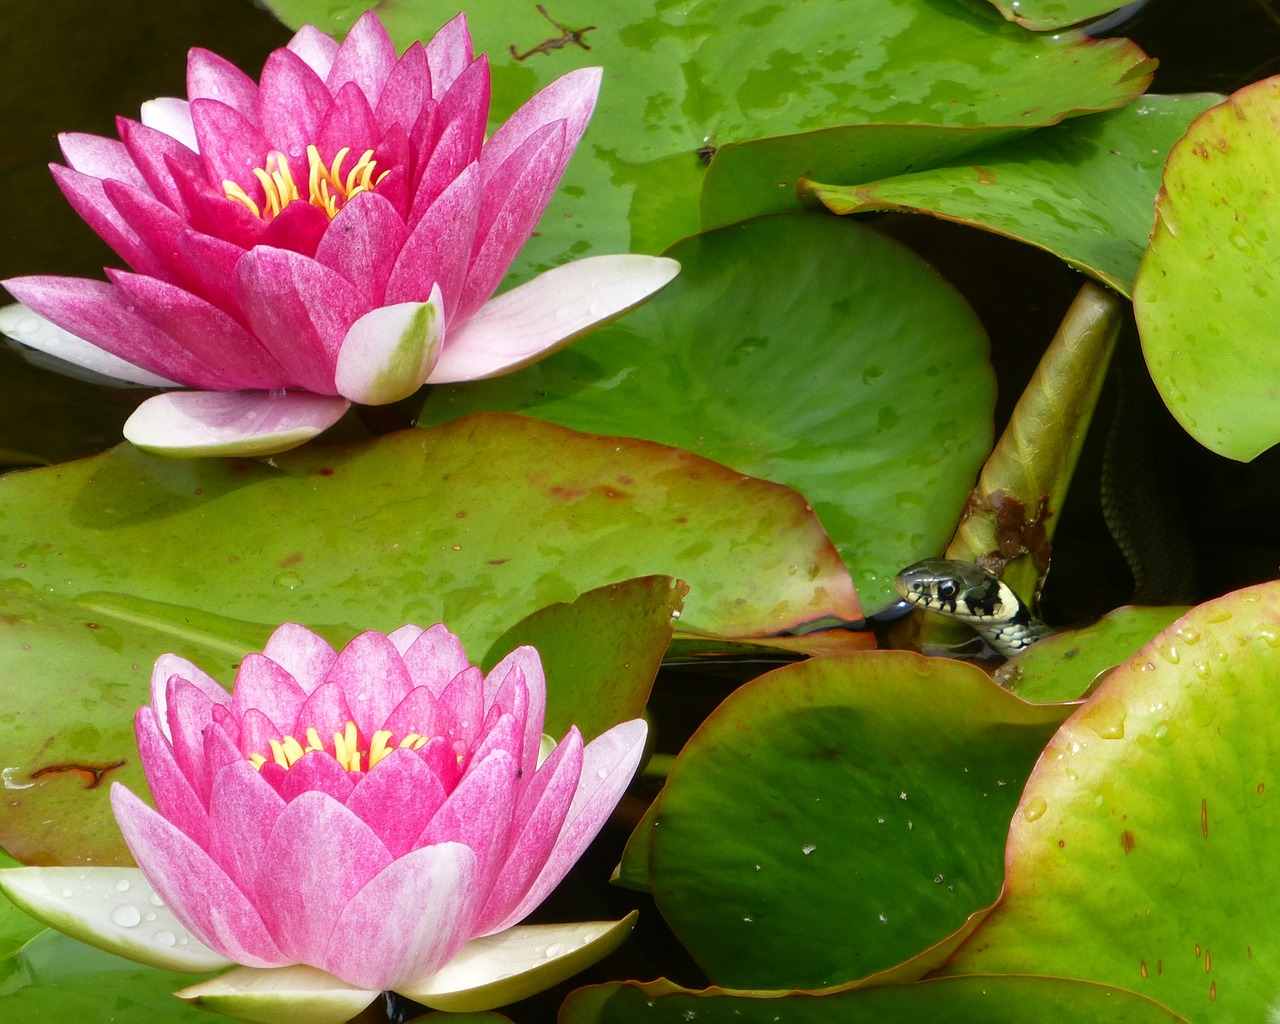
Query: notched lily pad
{"points": [[1207, 292], [1142, 851], [832, 818]]}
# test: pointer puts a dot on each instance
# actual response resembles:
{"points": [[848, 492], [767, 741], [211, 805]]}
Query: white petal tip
{"points": [[112, 908], [388, 353], [280, 995], [230, 423], [517, 963]]}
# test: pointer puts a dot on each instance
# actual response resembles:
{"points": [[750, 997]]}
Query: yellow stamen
{"points": [[327, 189], [286, 752], [257, 760], [378, 748], [277, 754], [313, 740]]}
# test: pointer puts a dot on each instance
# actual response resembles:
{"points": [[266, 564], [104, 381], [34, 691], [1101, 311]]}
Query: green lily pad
{"points": [[1207, 292], [834, 817], [602, 673], [58, 980], [1042, 15], [803, 349], [681, 77], [115, 560], [1142, 852], [976, 1000], [1064, 667], [1082, 190]]}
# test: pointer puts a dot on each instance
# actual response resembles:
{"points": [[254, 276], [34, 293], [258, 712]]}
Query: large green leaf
{"points": [[978, 1000], [799, 348], [683, 75], [1206, 295], [117, 559], [1082, 190], [58, 980], [1143, 850], [836, 816]]}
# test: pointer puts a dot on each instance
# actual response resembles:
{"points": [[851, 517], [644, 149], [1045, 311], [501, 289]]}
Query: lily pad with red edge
{"points": [[974, 1000], [804, 78], [803, 349], [1065, 666], [1142, 853], [115, 560], [834, 817], [1208, 291]]}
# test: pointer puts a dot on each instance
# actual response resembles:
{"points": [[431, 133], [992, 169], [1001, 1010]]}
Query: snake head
{"points": [[959, 590]]}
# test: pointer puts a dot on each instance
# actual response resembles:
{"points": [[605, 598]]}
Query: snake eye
{"points": [[947, 589]]}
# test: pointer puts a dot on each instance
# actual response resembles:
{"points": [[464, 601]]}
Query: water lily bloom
{"points": [[332, 233], [346, 823]]}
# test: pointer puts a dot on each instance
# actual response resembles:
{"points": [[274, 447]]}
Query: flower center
{"points": [[346, 748], [327, 187]]}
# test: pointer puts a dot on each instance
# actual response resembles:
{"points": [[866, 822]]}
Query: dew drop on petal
{"points": [[552, 950], [156, 901], [125, 916], [67, 894], [164, 937], [122, 885]]}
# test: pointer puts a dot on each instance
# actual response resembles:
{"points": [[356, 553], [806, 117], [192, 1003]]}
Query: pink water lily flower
{"points": [[332, 233], [378, 816]]}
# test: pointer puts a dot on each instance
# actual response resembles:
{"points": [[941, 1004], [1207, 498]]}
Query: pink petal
{"points": [[478, 814], [397, 798], [174, 796], [348, 122], [93, 310], [407, 90], [214, 260], [169, 665], [442, 759], [88, 197], [27, 327], [242, 811], [462, 707], [538, 820], [209, 334], [534, 319], [156, 227], [190, 713], [404, 637], [374, 679], [514, 198], [526, 662], [321, 855], [156, 154], [299, 227], [172, 116], [305, 655], [319, 772], [404, 925], [435, 658], [466, 107], [362, 243], [262, 683], [418, 714], [231, 145], [325, 711], [389, 352], [570, 98], [366, 57], [439, 247], [210, 212], [301, 310], [198, 892], [448, 158], [221, 742], [100, 158], [224, 423], [294, 102], [256, 733], [609, 762], [449, 54], [210, 77], [315, 48]]}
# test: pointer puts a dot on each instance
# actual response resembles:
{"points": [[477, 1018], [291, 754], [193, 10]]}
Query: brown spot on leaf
{"points": [[290, 560], [986, 176], [1126, 840], [1204, 818], [93, 773], [567, 37]]}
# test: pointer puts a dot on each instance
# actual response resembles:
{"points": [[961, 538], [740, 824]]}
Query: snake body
{"points": [[972, 595]]}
